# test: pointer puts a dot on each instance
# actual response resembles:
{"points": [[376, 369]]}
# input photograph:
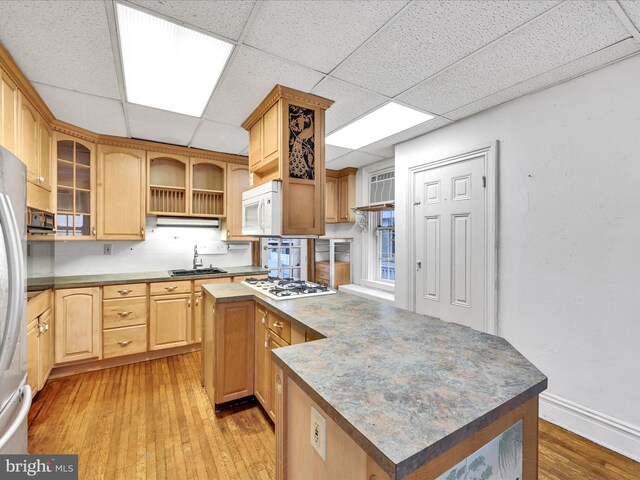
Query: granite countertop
{"points": [[78, 281], [405, 387]]}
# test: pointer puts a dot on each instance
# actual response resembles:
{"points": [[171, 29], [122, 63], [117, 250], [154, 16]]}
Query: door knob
{"points": [[419, 265]]}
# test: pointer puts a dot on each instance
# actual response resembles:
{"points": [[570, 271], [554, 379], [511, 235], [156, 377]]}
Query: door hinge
{"points": [[484, 181]]}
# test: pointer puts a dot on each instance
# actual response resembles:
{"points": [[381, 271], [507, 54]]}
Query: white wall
{"points": [[569, 241], [165, 248]]}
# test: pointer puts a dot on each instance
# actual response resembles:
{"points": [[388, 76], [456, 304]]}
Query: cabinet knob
{"points": [[93, 231], [264, 318], [189, 303], [142, 232], [125, 292], [124, 343], [124, 314], [170, 289], [278, 324], [40, 179], [197, 300], [267, 340]]}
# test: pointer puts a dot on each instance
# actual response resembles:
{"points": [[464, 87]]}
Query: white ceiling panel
{"points": [[220, 137], [385, 147], [63, 43], [354, 159], [248, 79], [351, 102], [429, 36], [318, 34], [568, 71], [632, 9], [573, 30], [332, 152], [222, 17], [98, 114], [159, 125]]}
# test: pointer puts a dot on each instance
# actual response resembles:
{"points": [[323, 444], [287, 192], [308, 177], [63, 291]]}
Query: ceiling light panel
{"points": [[381, 123], [168, 66]]}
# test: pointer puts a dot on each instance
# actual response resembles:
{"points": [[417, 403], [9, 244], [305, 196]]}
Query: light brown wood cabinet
{"points": [[340, 195], [28, 151], [341, 274], [207, 188], [121, 193], [286, 142], [170, 321], [262, 374], [198, 301], [8, 113], [76, 183], [124, 320], [78, 325], [237, 183], [39, 339]]}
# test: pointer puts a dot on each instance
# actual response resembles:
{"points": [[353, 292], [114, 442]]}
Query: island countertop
{"points": [[405, 387]]}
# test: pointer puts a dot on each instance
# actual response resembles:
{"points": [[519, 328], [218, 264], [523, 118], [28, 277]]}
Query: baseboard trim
{"points": [[610, 432]]}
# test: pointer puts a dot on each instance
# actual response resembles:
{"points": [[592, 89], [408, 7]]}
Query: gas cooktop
{"points": [[286, 288]]}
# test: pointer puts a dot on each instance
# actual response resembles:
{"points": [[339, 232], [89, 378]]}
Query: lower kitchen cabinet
{"points": [[262, 357], [33, 355], [274, 342], [78, 325], [124, 341], [170, 321], [196, 329]]}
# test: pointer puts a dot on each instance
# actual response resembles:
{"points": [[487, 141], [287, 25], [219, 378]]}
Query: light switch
{"points": [[318, 433]]}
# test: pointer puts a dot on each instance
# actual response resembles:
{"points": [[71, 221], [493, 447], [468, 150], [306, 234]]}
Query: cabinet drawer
{"points": [[161, 288], [197, 284], [124, 291], [124, 341], [280, 327], [124, 312], [322, 267]]}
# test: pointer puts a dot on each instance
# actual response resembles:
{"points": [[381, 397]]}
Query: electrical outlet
{"points": [[318, 433], [107, 249]]}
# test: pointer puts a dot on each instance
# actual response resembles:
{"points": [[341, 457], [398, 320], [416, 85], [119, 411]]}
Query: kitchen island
{"points": [[403, 395]]}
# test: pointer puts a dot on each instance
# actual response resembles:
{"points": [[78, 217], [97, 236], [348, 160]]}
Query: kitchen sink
{"points": [[197, 271]]}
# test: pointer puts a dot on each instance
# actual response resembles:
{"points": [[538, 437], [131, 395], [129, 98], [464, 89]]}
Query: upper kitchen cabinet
{"points": [[167, 184], [75, 165], [8, 113], [208, 178], [237, 183], [28, 129], [286, 143], [121, 193], [340, 195]]}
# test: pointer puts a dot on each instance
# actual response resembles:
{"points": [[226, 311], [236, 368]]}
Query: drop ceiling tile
{"points": [[98, 114], [351, 102], [248, 79], [569, 32], [632, 9], [159, 125], [332, 30], [222, 17], [552, 77], [429, 36], [332, 152], [220, 137], [63, 43], [386, 147], [356, 159]]}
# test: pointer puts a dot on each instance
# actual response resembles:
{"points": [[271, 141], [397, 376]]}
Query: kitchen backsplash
{"points": [[165, 248]]}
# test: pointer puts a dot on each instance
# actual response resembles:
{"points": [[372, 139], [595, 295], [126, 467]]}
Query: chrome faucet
{"points": [[196, 263]]}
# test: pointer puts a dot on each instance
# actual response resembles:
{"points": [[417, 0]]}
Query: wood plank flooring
{"points": [[153, 420]]}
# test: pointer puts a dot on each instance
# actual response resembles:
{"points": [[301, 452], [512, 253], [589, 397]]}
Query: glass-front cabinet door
{"points": [[75, 209]]}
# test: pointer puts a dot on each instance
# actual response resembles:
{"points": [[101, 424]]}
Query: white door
{"points": [[449, 242]]}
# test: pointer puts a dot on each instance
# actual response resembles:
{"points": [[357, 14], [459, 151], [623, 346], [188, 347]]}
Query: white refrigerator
{"points": [[15, 393]]}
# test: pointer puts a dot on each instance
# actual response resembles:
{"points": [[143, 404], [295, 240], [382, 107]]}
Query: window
{"points": [[285, 257], [386, 248]]}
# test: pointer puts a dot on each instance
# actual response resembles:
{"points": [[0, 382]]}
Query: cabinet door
{"points": [[121, 193], [234, 337], [29, 139], [255, 146], [33, 332], [331, 200], [262, 374], [78, 325], [45, 138], [196, 331], [270, 136], [45, 348], [170, 321], [237, 183], [8, 113], [275, 343], [346, 198], [208, 179]]}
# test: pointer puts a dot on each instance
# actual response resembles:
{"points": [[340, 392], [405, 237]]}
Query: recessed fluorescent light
{"points": [[168, 66], [381, 123]]}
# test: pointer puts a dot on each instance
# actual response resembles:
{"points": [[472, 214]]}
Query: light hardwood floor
{"points": [[154, 420]]}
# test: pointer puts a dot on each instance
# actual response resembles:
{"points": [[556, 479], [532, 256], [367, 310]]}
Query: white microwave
{"points": [[262, 210]]}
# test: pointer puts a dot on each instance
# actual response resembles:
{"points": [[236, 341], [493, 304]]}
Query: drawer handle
{"points": [[264, 318], [124, 314], [170, 289], [198, 300], [278, 324], [124, 343], [125, 292]]}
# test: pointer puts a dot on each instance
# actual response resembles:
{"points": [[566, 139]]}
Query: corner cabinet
{"points": [[121, 193], [340, 195], [78, 325], [76, 183], [286, 142]]}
